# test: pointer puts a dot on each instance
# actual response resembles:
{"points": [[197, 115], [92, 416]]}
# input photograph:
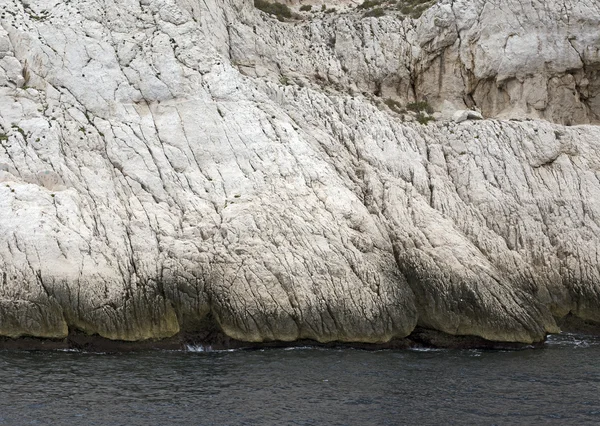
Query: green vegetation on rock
{"points": [[420, 106], [423, 118], [378, 8], [280, 11], [414, 8], [394, 105], [375, 13], [368, 4]]}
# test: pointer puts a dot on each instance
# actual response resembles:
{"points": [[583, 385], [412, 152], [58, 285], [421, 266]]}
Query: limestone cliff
{"points": [[168, 166]]}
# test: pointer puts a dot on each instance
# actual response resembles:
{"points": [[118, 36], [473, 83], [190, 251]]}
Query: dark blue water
{"points": [[559, 384]]}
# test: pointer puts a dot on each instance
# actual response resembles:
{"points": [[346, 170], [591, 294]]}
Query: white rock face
{"points": [[171, 165]]}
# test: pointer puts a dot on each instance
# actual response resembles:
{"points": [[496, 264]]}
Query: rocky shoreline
{"points": [[420, 338], [216, 340]]}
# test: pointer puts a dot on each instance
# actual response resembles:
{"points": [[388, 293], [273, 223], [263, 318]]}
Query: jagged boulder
{"points": [[464, 115]]}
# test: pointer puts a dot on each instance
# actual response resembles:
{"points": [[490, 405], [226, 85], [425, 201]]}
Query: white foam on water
{"points": [[426, 349], [299, 348], [205, 348], [572, 340], [198, 348]]}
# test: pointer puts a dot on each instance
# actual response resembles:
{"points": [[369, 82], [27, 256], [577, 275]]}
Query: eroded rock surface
{"points": [[169, 166]]}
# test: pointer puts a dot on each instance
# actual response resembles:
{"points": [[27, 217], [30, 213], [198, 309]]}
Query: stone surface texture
{"points": [[170, 166]]}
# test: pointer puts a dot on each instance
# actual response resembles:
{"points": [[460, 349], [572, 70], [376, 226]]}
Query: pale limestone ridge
{"points": [[169, 165]]}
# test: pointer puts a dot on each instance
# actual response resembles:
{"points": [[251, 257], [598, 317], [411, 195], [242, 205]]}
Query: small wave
{"points": [[205, 348], [198, 348], [572, 340], [81, 351], [417, 349], [299, 348]]}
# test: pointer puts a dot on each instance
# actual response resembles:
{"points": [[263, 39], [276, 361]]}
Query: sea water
{"points": [[558, 384]]}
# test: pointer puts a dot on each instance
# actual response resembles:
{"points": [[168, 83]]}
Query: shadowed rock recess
{"points": [[172, 167]]}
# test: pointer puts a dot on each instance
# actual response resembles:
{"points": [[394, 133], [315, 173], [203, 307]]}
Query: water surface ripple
{"points": [[559, 384]]}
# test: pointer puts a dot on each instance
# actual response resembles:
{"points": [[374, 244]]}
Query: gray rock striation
{"points": [[172, 166]]}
